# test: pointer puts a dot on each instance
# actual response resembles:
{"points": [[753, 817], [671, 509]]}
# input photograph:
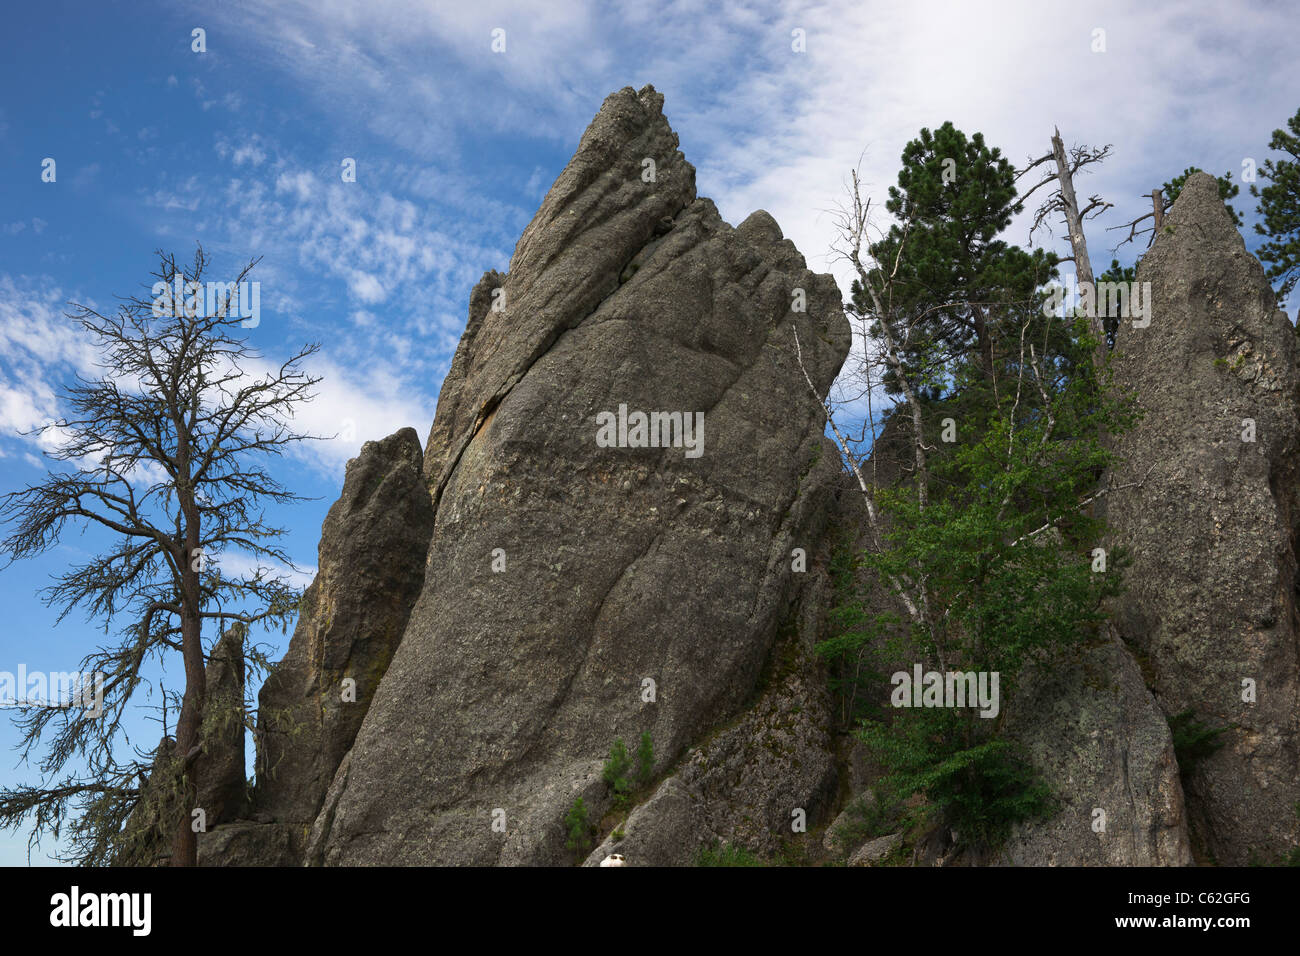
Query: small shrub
{"points": [[981, 788], [615, 773], [727, 854], [1193, 740], [579, 827], [645, 760]]}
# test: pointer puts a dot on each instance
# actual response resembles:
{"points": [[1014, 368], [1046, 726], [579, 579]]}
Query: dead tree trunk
{"points": [[1078, 242]]}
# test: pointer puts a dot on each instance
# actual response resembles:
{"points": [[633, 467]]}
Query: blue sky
{"points": [[240, 147]]}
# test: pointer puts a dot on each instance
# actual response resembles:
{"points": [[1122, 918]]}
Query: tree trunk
{"points": [[185, 842], [1078, 244], [188, 728], [985, 343]]}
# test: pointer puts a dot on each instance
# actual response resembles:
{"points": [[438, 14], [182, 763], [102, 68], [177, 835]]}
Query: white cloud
{"points": [[300, 184], [240, 564], [366, 288], [352, 406], [770, 128], [40, 349]]}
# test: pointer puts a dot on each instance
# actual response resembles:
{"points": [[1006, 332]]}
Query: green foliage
{"points": [[620, 775], [1115, 274], [1193, 740], [579, 828], [1009, 590], [982, 784], [963, 286], [1227, 190], [854, 631], [1002, 550], [615, 773], [727, 854], [1279, 207], [645, 760]]}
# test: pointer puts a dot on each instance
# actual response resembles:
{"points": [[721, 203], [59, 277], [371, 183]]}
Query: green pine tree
{"points": [[579, 828], [645, 760], [615, 773], [1279, 206], [1227, 190], [962, 287]]}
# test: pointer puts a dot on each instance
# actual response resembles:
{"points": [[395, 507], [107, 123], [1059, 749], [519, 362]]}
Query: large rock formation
{"points": [[1095, 735], [746, 783], [370, 570], [1206, 500], [577, 592], [546, 581]]}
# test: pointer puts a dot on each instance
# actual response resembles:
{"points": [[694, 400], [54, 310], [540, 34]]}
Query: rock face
{"points": [[370, 570], [747, 782], [223, 783], [1094, 733], [1211, 600], [579, 590]]}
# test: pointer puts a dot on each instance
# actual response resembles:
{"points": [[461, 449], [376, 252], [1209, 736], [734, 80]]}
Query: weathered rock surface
{"points": [[876, 850], [748, 782], [370, 570], [1211, 599], [562, 575], [223, 782], [847, 832], [248, 843], [1095, 735], [220, 771]]}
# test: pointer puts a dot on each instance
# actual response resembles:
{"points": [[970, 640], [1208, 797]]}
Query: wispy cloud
{"points": [[771, 127]]}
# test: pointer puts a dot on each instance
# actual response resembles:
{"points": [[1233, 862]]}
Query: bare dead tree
{"points": [[1063, 201], [164, 453], [854, 229], [1159, 207], [884, 331]]}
